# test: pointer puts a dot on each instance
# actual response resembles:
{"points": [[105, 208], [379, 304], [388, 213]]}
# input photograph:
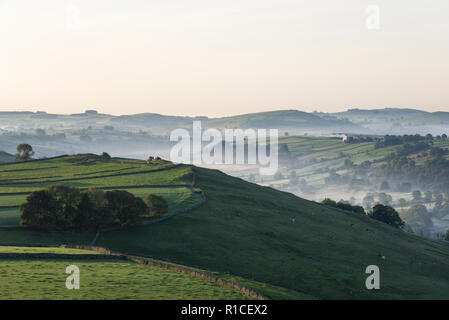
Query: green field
{"points": [[275, 243], [101, 279], [9, 217]]}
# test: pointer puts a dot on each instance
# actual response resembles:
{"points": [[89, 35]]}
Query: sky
{"points": [[217, 58]]}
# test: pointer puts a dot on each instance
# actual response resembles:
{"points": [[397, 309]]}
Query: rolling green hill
{"points": [[278, 244], [6, 157]]}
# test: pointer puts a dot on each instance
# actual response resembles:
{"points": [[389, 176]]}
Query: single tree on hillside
{"points": [[24, 152], [386, 214]]}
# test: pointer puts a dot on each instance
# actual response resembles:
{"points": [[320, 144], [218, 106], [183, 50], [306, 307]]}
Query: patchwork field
{"points": [[136, 176]]}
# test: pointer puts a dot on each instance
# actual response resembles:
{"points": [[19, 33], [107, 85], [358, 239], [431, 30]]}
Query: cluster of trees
{"points": [[380, 212], [343, 205], [358, 139], [391, 140], [63, 208], [433, 174]]}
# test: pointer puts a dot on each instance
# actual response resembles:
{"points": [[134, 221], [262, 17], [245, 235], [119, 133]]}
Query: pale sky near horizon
{"points": [[215, 58]]}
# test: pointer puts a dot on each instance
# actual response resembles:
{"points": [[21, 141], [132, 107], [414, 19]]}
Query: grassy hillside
{"points": [[275, 237], [281, 245]]}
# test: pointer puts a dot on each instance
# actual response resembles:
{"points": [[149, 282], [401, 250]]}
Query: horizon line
{"points": [[98, 111]]}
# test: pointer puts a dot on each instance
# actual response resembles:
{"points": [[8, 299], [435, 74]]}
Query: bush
{"points": [[157, 205], [386, 214]]}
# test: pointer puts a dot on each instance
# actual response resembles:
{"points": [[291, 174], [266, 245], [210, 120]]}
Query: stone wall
{"points": [[178, 268]]}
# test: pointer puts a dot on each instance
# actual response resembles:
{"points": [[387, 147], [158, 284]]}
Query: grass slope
{"points": [[247, 230]]}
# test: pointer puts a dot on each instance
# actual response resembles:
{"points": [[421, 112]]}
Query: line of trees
{"points": [[380, 212], [64, 208]]}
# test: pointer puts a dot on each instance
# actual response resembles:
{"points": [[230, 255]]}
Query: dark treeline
{"points": [[63, 208], [391, 140]]}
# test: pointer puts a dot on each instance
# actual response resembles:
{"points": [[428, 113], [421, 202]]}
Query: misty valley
{"points": [[350, 190]]}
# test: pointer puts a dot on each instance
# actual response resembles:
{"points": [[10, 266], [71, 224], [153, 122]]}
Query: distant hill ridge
{"points": [[366, 121]]}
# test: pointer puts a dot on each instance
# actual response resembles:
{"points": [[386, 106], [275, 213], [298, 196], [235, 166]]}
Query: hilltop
{"points": [[243, 231]]}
